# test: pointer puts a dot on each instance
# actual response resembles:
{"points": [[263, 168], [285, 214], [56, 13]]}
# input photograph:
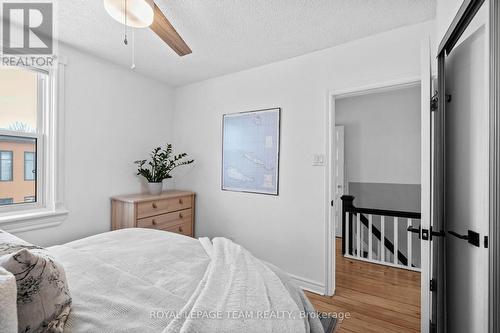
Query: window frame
{"points": [[11, 166], [50, 209]]}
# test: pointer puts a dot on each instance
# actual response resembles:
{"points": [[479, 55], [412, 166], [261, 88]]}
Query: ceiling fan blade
{"points": [[164, 29]]}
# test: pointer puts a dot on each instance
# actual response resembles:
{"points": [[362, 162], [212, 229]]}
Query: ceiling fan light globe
{"points": [[138, 13]]}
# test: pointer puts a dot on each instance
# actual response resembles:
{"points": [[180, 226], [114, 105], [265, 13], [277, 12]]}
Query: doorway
{"points": [[375, 156]]}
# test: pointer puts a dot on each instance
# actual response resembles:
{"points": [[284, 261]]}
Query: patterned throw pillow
{"points": [[43, 298]]}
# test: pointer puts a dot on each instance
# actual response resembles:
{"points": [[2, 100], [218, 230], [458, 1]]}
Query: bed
{"points": [[144, 280]]}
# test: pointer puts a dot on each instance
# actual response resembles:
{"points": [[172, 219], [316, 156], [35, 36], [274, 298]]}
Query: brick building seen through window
{"points": [[21, 104], [17, 170]]}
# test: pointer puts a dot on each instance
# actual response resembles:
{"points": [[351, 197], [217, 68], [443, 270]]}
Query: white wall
{"points": [[113, 116], [287, 230], [381, 136]]}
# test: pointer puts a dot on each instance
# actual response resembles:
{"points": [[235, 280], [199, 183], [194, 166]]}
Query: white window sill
{"points": [[32, 219]]}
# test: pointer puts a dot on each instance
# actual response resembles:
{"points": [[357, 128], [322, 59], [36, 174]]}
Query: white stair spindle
{"points": [[396, 240], [363, 226], [358, 238], [382, 238], [409, 248], [419, 245], [361, 237], [346, 232], [370, 221]]}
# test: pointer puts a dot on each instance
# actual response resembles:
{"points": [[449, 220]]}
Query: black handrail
{"points": [[383, 212], [348, 207]]}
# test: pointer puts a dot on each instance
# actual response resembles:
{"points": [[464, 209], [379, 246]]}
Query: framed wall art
{"points": [[250, 151]]}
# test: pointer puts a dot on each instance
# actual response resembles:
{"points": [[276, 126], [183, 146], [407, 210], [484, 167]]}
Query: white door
{"points": [[339, 177], [426, 151]]}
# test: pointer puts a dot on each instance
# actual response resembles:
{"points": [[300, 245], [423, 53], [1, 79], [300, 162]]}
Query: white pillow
{"points": [[8, 305]]}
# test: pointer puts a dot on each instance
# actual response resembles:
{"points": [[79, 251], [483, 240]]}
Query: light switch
{"points": [[318, 160]]}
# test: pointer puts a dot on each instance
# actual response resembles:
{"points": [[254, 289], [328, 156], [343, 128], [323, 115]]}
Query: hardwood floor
{"points": [[377, 298]]}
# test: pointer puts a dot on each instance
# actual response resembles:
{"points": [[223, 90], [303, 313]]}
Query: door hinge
{"points": [[331, 203], [432, 285], [432, 327], [435, 99], [434, 102]]}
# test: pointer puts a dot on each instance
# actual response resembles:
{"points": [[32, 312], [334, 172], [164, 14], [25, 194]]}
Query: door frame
{"points": [[332, 96], [344, 187], [494, 267]]}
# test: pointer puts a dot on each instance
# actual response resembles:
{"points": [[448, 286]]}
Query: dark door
{"points": [[460, 180]]}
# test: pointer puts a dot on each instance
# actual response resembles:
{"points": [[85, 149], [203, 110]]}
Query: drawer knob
{"points": [[180, 215], [180, 201], [154, 205], [153, 221], [180, 229]]}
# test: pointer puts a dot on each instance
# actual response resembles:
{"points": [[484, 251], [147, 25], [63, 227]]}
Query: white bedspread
{"points": [[133, 280], [239, 293], [118, 278]]}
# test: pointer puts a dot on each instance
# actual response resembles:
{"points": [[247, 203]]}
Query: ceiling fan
{"points": [[143, 14]]}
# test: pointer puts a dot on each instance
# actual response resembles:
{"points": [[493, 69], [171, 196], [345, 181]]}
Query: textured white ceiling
{"points": [[231, 35]]}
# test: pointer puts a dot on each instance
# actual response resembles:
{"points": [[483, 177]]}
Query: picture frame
{"points": [[251, 151]]}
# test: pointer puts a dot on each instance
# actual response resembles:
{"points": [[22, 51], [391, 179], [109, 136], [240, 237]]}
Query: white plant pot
{"points": [[155, 188]]}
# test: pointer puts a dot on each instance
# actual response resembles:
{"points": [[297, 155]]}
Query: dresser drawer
{"points": [[166, 220], [184, 229], [161, 206]]}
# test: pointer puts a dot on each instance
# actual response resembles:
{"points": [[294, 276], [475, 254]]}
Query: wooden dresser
{"points": [[170, 211]]}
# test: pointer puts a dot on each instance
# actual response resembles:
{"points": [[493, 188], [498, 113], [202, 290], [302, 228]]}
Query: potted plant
{"points": [[159, 167]]}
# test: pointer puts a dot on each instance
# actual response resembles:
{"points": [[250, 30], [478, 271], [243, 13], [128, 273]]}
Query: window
{"points": [[31, 129], [29, 166], [6, 165], [23, 96], [6, 201]]}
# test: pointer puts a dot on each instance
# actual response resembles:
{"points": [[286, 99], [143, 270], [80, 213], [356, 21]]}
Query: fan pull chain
{"points": [[133, 50], [126, 12]]}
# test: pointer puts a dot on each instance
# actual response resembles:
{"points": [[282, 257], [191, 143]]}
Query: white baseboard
{"points": [[309, 285]]}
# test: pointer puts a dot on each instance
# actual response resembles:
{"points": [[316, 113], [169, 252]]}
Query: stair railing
{"points": [[357, 221]]}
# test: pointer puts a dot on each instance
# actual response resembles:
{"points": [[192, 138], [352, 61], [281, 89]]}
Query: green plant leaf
{"points": [[160, 164]]}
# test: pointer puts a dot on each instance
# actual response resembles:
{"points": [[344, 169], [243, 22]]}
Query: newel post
{"points": [[347, 203]]}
